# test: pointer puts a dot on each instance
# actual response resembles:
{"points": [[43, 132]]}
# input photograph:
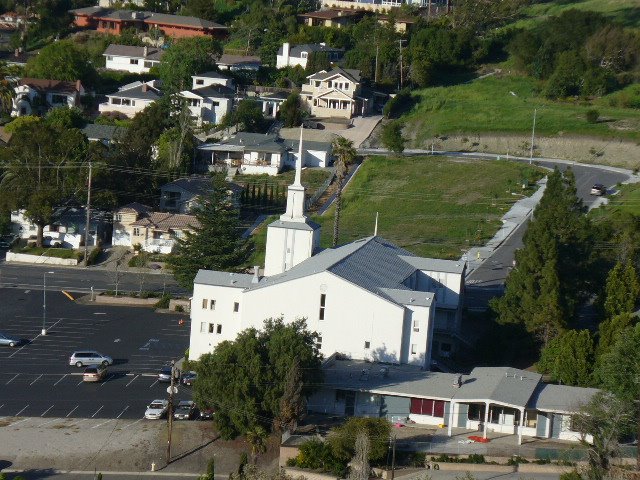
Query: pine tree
{"points": [[216, 243], [621, 290], [610, 330], [569, 358], [293, 401]]}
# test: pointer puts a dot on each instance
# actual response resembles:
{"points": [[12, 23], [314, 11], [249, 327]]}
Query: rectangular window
{"points": [[211, 328], [136, 232], [109, 58], [116, 101], [236, 306], [203, 327], [126, 101], [133, 61], [416, 326], [413, 349], [219, 329], [148, 64], [204, 303], [323, 299], [367, 345], [317, 83], [58, 98], [212, 305], [199, 82], [438, 408]]}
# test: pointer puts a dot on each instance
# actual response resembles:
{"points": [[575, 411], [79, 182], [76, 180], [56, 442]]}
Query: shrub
{"points": [[179, 308], [163, 302], [592, 116], [399, 104], [92, 258], [476, 458], [139, 260], [318, 455], [572, 475]]}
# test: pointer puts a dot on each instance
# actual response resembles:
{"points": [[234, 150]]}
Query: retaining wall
{"points": [[39, 259]]}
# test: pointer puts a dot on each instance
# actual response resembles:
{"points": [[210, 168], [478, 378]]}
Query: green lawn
{"points": [[627, 201], [489, 105], [50, 252], [433, 206], [312, 178]]}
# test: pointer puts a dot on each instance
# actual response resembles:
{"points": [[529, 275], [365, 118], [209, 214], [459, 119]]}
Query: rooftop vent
{"points": [[457, 382]]}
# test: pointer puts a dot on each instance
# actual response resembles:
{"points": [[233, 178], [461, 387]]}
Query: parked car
{"points": [[185, 410], [598, 189], [188, 378], [51, 242], [207, 413], [89, 357], [94, 373], [156, 409], [165, 374], [7, 241], [10, 340]]}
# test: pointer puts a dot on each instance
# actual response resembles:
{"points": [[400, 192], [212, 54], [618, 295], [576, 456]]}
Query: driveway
{"points": [[361, 129]]}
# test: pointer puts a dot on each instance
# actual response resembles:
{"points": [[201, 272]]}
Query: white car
{"points": [[156, 410]]}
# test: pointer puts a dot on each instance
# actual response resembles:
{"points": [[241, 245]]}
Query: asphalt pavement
{"points": [[36, 379]]}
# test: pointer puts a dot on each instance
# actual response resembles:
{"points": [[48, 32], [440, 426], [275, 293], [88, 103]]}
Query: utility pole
{"points": [[401, 74], [533, 135], [171, 390], [375, 80], [393, 457], [88, 208]]}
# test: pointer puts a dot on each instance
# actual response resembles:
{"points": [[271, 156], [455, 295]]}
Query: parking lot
{"points": [[37, 381]]}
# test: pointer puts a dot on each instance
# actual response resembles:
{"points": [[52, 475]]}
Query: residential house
{"points": [[67, 228], [107, 20], [289, 56], [237, 63], [369, 299], [114, 3], [402, 24], [132, 98], [123, 220], [500, 400], [35, 96], [331, 18], [335, 93], [126, 58], [271, 102], [435, 7], [106, 134], [183, 194], [210, 98], [157, 232]]}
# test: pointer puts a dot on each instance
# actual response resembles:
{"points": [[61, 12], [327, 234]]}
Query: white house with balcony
{"points": [[298, 55], [132, 98], [127, 58], [36, 96], [334, 93], [210, 98], [368, 299]]}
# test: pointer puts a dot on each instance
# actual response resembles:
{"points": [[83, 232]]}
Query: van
{"points": [[89, 357]]}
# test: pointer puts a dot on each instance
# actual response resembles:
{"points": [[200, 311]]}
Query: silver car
{"points": [[89, 357], [9, 340]]}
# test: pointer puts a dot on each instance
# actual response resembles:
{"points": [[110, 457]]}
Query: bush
{"points": [[572, 475], [592, 116], [140, 260], [179, 308], [318, 455], [163, 302], [399, 104], [93, 255]]}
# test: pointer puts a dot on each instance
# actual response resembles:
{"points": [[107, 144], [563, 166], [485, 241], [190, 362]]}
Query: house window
{"points": [[425, 406], [532, 418], [148, 64], [58, 98], [109, 58], [133, 61], [211, 328], [204, 303], [116, 101], [212, 305], [203, 327], [414, 349], [215, 104], [416, 326], [126, 101], [199, 82], [236, 306], [118, 217], [367, 345], [193, 102], [346, 86], [219, 329], [323, 300], [136, 232], [317, 83], [476, 412], [319, 341], [304, 55]]}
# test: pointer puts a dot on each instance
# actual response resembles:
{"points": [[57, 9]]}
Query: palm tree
{"points": [[7, 91], [257, 437], [345, 155]]}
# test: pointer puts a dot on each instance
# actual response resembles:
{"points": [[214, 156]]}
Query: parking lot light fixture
{"points": [[44, 302]]}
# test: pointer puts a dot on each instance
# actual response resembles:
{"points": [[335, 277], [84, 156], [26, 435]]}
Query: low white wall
{"points": [[258, 170], [25, 258], [426, 419]]}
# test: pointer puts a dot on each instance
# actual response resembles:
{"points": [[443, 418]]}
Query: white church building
{"points": [[367, 300]]}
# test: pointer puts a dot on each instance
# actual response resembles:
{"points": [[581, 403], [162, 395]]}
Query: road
{"points": [[37, 381]]}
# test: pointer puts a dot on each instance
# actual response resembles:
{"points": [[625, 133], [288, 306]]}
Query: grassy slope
{"points": [[312, 178], [627, 201], [488, 105], [432, 206], [626, 12]]}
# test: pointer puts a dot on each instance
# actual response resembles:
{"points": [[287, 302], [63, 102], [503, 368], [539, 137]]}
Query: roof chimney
{"points": [[145, 51], [145, 87], [78, 85], [286, 49], [256, 274], [457, 383], [16, 53]]}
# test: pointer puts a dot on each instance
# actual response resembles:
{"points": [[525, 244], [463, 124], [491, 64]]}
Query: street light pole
{"points": [[533, 135], [43, 332], [170, 411]]}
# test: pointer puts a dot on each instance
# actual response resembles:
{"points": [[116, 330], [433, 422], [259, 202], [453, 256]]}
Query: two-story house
{"points": [[123, 219], [132, 98], [289, 56], [126, 58], [35, 96], [210, 98], [334, 93]]}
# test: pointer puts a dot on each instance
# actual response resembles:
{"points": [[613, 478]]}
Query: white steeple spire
{"points": [[296, 192], [298, 179]]}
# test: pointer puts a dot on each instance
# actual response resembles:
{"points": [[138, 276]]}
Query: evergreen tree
{"points": [[345, 155], [622, 290], [569, 358], [552, 268], [392, 136], [216, 243], [293, 403], [291, 112], [610, 330]]}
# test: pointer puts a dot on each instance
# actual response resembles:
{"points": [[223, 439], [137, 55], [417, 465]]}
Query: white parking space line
{"points": [[99, 313], [48, 422], [125, 409], [20, 421], [80, 382], [133, 423], [45, 412], [74, 409], [39, 377], [17, 414], [103, 423], [101, 407], [153, 383], [132, 380], [16, 375], [62, 378], [33, 339], [107, 379]]}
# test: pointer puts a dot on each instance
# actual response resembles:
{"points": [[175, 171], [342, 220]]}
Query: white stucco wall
{"points": [[124, 64], [287, 247], [130, 111]]}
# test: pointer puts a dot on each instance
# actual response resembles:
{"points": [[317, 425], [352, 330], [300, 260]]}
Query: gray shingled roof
{"points": [[213, 91], [257, 142], [505, 385], [211, 74], [296, 50], [436, 264], [94, 131], [197, 185], [560, 398], [349, 74], [308, 145], [116, 50], [136, 92], [224, 279]]}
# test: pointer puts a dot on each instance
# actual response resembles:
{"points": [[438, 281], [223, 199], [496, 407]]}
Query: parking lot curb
{"points": [[91, 472]]}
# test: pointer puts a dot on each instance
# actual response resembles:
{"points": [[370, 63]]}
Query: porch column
{"points": [[520, 426], [451, 407], [486, 420]]}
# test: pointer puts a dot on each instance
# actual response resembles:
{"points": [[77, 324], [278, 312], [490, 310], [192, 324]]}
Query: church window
{"points": [[367, 345], [236, 307], [414, 349], [416, 326], [319, 341], [204, 303], [323, 300], [219, 329], [203, 327], [211, 328], [212, 305]]}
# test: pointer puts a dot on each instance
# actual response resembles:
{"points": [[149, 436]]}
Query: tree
{"points": [[63, 117], [345, 155], [7, 91], [622, 290], [257, 437], [610, 330], [479, 16], [184, 58], [392, 136], [292, 403], [247, 116], [360, 468], [61, 60], [552, 268], [613, 48], [566, 79], [619, 372], [606, 418], [291, 112], [343, 438], [316, 62], [569, 358], [245, 379], [216, 243]]}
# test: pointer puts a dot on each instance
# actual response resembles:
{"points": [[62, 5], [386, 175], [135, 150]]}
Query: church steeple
{"points": [[296, 192]]}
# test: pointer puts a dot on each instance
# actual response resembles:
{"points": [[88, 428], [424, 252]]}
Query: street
{"points": [[37, 381]]}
